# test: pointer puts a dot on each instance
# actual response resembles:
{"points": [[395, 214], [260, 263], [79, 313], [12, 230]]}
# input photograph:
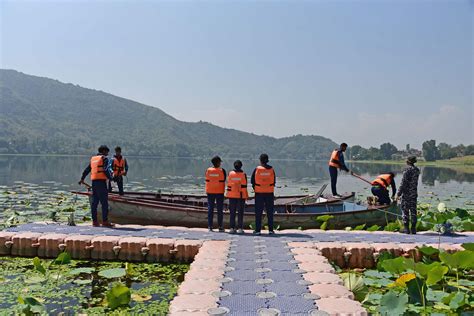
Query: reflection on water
{"points": [[186, 175]]}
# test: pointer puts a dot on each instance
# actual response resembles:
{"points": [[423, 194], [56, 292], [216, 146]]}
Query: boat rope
{"points": [[446, 226]]}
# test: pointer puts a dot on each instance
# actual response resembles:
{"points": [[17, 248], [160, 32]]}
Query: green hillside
{"points": [[41, 115]]}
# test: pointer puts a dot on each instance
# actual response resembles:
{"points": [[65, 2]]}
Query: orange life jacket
{"points": [[97, 168], [383, 180], [215, 181], [118, 166], [264, 180], [334, 160], [237, 185]]}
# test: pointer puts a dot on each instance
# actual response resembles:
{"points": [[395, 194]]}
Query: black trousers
{"points": [[263, 201], [382, 194], [237, 206], [333, 175], [100, 194], [119, 181]]}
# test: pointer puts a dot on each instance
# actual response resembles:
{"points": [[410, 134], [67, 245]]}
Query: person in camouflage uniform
{"points": [[408, 192]]}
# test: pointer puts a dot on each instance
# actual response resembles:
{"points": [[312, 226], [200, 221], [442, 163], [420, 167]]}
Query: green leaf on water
{"points": [[461, 259], [455, 300], [377, 274], [428, 250], [355, 284], [398, 265], [373, 228], [113, 273], [324, 218], [416, 290], [35, 279], [81, 270], [393, 303], [436, 274], [39, 266], [63, 258], [118, 295], [82, 282]]}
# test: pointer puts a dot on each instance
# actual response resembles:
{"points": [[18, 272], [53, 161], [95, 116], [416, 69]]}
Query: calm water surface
{"points": [[182, 175]]}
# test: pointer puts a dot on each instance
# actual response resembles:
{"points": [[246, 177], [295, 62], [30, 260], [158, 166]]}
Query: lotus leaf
{"points": [[393, 303], [113, 273], [118, 295]]}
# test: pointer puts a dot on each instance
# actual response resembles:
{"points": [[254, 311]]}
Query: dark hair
{"points": [[215, 160], [103, 148], [118, 148], [238, 164], [264, 158], [392, 174], [343, 145]]}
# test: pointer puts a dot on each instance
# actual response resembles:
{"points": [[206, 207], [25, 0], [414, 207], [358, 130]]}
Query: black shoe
{"points": [[413, 230], [271, 232], [406, 229], [256, 233], [221, 230], [209, 229]]}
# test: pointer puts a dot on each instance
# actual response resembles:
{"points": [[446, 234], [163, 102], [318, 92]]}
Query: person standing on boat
{"points": [[408, 192], [380, 187], [100, 169], [263, 183], [120, 168], [237, 194], [337, 162], [215, 189]]}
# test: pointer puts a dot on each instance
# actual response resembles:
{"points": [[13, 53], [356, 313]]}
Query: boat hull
{"points": [[123, 212]]}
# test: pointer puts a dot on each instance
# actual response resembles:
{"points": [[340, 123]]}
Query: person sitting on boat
{"points": [[263, 183], [101, 170], [120, 168], [337, 162], [237, 194], [215, 189], [380, 187]]}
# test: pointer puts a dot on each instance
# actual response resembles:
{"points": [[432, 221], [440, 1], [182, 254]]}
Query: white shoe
{"points": [[232, 231], [240, 231]]}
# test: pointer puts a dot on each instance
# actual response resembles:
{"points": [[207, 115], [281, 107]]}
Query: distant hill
{"points": [[41, 115]]}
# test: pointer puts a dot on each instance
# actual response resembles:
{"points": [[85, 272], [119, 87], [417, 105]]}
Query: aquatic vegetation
{"points": [[440, 283], [33, 285]]}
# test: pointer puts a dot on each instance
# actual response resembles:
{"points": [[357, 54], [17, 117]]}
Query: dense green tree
{"points": [[430, 151], [387, 150], [446, 151]]}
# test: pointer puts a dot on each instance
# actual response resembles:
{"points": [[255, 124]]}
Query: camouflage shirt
{"points": [[408, 189]]}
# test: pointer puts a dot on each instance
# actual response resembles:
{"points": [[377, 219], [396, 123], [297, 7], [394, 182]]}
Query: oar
{"points": [[359, 177], [88, 186]]}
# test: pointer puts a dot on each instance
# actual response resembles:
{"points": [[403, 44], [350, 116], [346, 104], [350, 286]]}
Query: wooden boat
{"points": [[290, 211]]}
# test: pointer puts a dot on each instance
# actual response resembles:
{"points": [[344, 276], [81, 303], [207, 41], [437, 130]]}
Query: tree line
{"points": [[430, 151]]}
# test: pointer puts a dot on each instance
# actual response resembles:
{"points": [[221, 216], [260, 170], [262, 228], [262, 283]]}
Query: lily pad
{"points": [[392, 303], [141, 297], [35, 279], [81, 270], [113, 273], [118, 295], [83, 282]]}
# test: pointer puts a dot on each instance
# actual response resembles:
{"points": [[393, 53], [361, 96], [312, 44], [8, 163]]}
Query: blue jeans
{"points": [[237, 206], [218, 201], [263, 201], [333, 174], [100, 194]]}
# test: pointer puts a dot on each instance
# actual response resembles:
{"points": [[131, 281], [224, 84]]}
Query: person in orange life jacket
{"points": [[263, 183], [101, 170], [120, 168], [237, 194], [337, 162], [215, 189], [380, 187]]}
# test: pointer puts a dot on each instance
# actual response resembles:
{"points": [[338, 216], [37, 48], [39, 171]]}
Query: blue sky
{"points": [[364, 72]]}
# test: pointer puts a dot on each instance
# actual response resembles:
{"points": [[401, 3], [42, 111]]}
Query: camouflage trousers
{"points": [[409, 211]]}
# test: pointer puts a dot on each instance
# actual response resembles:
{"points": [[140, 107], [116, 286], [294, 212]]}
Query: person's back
{"points": [[408, 192], [263, 182], [215, 188]]}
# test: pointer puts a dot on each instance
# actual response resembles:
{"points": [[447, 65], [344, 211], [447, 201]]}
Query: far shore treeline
{"points": [[429, 152]]}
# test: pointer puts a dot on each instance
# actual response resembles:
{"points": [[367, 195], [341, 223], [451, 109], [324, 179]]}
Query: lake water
{"points": [[182, 175]]}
